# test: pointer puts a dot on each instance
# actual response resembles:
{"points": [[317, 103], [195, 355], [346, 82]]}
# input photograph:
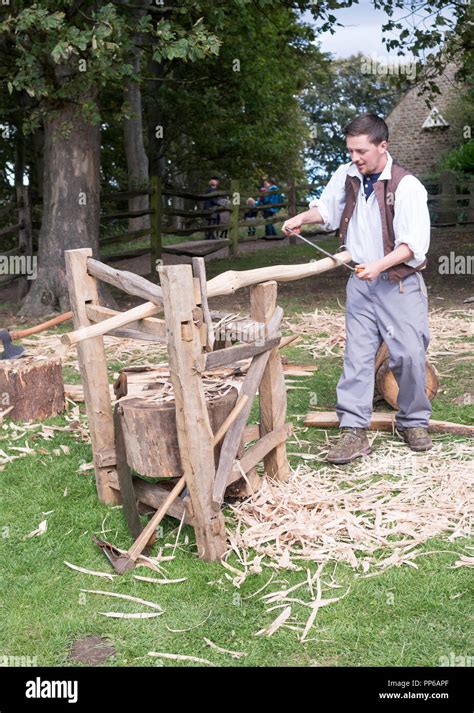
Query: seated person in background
{"points": [[251, 215], [210, 203]]}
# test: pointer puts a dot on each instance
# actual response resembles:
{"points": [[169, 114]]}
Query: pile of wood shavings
{"points": [[118, 349], [449, 330], [162, 389], [374, 515]]}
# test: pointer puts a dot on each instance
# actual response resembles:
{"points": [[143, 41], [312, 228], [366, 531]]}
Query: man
{"points": [[209, 203], [382, 215]]}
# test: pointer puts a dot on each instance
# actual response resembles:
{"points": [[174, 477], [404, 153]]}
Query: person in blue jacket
{"points": [[270, 212]]}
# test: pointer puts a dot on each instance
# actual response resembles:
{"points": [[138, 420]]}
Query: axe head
{"points": [[10, 351]]}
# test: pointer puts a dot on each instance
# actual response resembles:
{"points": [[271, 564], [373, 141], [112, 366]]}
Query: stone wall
{"points": [[416, 148]]}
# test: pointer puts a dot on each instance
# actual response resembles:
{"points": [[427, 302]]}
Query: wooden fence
{"points": [[451, 200], [18, 216], [197, 219]]}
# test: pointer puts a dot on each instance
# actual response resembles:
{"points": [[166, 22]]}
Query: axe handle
{"points": [[140, 543], [20, 333]]}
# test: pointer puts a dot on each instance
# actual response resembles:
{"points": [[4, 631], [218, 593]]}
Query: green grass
{"points": [[403, 617], [43, 612]]}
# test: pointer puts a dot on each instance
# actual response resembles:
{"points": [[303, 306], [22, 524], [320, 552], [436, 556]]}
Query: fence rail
{"points": [[450, 201]]}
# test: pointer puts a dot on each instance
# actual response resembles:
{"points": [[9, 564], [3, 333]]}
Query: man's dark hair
{"points": [[371, 125], [215, 178]]}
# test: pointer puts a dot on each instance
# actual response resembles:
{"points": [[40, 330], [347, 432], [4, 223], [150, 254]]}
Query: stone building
{"points": [[420, 136]]}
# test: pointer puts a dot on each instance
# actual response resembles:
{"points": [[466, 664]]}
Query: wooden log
{"points": [[272, 390], [151, 438], [147, 533], [33, 387], [195, 436], [75, 392], [129, 282], [251, 432], [385, 422], [228, 282], [386, 384], [222, 357], [120, 319], [150, 325], [93, 368], [222, 430], [234, 435]]}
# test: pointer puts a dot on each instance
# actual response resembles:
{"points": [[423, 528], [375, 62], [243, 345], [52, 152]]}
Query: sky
{"points": [[362, 31]]}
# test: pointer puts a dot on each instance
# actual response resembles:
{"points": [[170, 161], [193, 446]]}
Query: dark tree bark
{"points": [[70, 206], [36, 164], [137, 160], [154, 120]]}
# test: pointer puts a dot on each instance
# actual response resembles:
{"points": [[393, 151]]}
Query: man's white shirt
{"points": [[364, 238]]}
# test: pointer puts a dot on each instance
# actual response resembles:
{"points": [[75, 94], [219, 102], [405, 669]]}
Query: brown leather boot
{"points": [[353, 443], [417, 438]]}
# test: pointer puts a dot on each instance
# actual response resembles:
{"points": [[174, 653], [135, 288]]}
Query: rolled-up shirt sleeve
{"points": [[411, 223], [331, 202]]}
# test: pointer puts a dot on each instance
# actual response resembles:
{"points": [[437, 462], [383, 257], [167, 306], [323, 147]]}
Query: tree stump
{"points": [[33, 386], [150, 434], [386, 384]]}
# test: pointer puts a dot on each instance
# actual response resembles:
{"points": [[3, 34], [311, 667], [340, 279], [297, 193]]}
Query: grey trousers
{"points": [[377, 310]]}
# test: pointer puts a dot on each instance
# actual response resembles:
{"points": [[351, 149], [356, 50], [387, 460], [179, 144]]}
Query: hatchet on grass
{"points": [[15, 351]]}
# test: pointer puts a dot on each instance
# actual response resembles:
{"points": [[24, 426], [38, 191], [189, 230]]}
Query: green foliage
{"points": [[237, 113], [60, 55], [461, 159], [339, 91]]}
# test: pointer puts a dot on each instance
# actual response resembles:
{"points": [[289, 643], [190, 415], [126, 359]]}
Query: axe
{"points": [[14, 351]]}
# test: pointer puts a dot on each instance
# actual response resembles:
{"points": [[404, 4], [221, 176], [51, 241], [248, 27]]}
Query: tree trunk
{"points": [[155, 122], [70, 205], [137, 160], [37, 165]]}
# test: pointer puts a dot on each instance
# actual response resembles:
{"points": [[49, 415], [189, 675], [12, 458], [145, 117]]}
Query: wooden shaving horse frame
{"points": [[188, 332]]}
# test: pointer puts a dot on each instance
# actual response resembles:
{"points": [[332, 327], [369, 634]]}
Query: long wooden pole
{"points": [[385, 422], [224, 284]]}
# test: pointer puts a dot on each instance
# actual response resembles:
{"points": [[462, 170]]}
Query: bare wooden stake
{"points": [[93, 368], [195, 435], [272, 390]]}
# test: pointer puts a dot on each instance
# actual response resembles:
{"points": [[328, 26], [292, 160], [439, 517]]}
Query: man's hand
{"points": [[293, 224], [368, 270], [306, 218]]}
